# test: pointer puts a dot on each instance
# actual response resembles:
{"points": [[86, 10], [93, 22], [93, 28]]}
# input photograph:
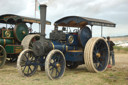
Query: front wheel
{"points": [[27, 63], [55, 64]]}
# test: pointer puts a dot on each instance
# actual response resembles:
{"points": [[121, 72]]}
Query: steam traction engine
{"points": [[15, 36], [66, 48]]}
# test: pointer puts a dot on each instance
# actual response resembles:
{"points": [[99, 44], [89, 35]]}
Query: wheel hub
{"points": [[57, 65], [98, 55], [28, 63]]}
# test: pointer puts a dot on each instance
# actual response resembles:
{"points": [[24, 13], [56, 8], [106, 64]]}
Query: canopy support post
{"points": [[91, 27], [6, 26], [101, 31], [39, 28], [30, 29]]}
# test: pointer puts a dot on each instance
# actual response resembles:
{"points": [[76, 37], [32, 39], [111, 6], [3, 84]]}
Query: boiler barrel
{"points": [[62, 47], [4, 42]]}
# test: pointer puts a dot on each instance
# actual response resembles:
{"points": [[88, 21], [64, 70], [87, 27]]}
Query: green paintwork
{"points": [[13, 49], [4, 33], [21, 31], [6, 41]]}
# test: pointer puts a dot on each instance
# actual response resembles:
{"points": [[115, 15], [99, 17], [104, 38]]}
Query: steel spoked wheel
{"points": [[3, 56], [27, 63], [55, 64], [96, 55]]}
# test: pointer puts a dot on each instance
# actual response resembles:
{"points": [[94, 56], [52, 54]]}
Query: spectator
{"points": [[111, 44]]}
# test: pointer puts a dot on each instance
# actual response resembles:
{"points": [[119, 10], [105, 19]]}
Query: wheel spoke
{"points": [[52, 68], [32, 58], [24, 68], [30, 68], [96, 65], [57, 72], [101, 64], [61, 62], [59, 58], [96, 48], [99, 44], [51, 71], [103, 49], [52, 64], [26, 57]]}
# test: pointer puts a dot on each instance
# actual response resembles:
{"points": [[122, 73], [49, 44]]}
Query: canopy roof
{"points": [[77, 21], [12, 19]]}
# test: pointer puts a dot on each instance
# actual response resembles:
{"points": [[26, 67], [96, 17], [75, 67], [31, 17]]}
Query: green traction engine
{"points": [[15, 36], [10, 42]]}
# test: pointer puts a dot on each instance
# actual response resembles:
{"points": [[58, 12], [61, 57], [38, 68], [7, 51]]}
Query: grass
{"points": [[80, 76], [120, 49]]}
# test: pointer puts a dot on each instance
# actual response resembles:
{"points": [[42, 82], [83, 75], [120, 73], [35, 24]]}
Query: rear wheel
{"points": [[3, 56], [28, 41], [55, 64], [27, 63], [96, 55]]}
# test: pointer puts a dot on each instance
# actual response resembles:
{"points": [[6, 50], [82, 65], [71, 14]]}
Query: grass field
{"points": [[121, 49], [117, 75]]}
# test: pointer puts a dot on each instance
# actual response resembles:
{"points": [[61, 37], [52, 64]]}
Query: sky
{"points": [[112, 10]]}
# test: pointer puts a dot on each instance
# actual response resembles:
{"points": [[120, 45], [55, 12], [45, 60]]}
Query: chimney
{"points": [[43, 18]]}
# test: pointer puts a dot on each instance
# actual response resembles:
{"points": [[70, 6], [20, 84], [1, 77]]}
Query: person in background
{"points": [[111, 44]]}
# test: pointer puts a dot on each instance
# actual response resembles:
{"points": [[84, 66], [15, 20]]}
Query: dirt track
{"points": [[120, 39], [117, 75], [121, 60]]}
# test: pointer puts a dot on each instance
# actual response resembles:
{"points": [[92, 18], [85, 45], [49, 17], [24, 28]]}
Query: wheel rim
{"points": [[100, 55], [55, 66], [28, 41], [2, 56], [32, 41], [27, 63]]}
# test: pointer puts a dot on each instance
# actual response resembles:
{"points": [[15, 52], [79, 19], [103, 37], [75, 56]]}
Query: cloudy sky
{"points": [[112, 10]]}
